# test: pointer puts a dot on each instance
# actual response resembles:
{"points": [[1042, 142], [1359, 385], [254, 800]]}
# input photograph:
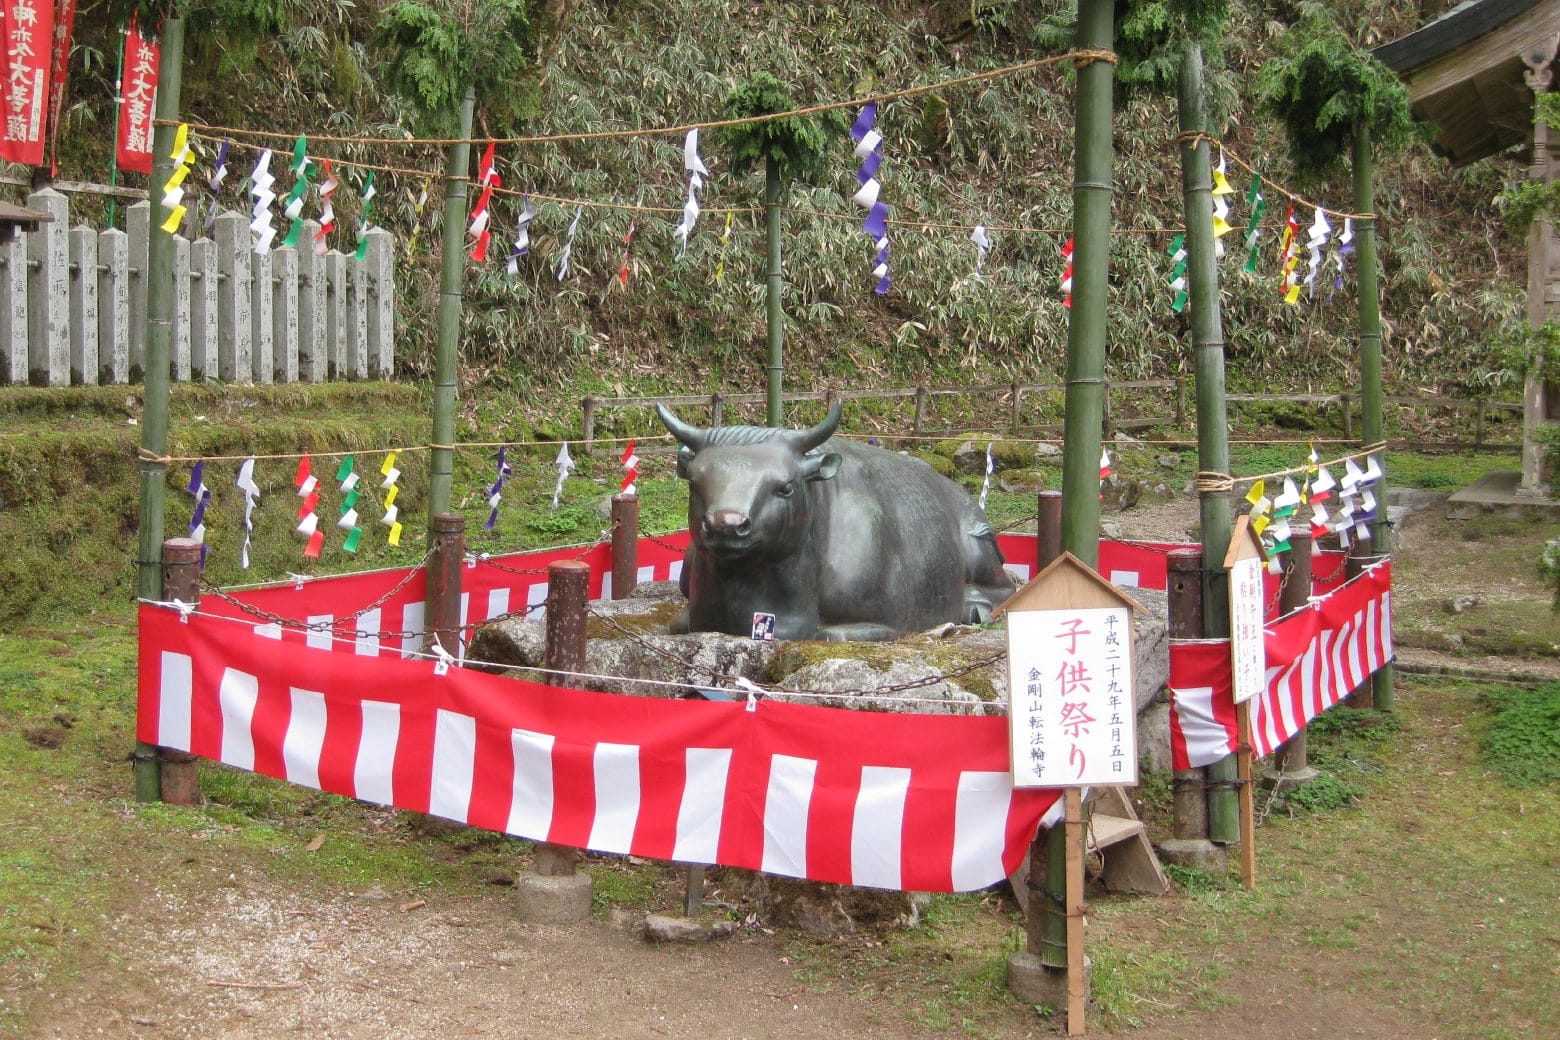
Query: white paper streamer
{"points": [[982, 247], [1321, 231], [246, 484], [522, 235], [694, 167], [568, 243], [564, 464], [260, 181]]}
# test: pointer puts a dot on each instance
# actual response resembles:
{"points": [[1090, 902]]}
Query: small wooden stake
{"points": [[1077, 983], [1248, 819]]}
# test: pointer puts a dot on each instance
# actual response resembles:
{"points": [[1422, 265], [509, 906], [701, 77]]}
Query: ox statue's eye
{"points": [[787, 489]]}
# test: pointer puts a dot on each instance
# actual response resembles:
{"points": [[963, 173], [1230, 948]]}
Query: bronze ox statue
{"points": [[803, 537]]}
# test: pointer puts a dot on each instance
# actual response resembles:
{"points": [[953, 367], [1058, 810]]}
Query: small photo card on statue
{"points": [[763, 625], [1071, 713]]}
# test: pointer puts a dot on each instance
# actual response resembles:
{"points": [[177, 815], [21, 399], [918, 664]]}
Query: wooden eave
{"points": [[1465, 73]]}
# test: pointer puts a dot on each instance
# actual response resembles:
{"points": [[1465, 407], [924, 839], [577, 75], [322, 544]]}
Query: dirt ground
{"points": [[214, 947]]}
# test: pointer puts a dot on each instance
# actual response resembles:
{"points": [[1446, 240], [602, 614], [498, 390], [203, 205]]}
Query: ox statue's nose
{"points": [[727, 523]]}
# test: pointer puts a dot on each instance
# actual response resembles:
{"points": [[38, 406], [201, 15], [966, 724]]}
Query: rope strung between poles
{"points": [[1083, 57]]}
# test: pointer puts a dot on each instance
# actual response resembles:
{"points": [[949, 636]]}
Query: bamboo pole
{"points": [[1213, 447], [1370, 355], [159, 333], [1085, 387], [774, 315], [452, 272]]}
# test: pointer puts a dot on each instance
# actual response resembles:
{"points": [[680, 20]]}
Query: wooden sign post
{"points": [[1072, 720], [1248, 660]]}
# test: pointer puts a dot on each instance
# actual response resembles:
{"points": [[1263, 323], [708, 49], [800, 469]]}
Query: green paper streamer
{"points": [[349, 501], [354, 536], [344, 470]]}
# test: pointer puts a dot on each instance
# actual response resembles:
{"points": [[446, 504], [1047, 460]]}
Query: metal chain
{"points": [[417, 569], [529, 572]]}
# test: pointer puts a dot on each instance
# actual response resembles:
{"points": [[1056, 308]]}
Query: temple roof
{"points": [[1465, 72]]}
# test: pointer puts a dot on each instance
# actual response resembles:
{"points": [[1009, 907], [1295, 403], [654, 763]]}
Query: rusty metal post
{"points": [[1048, 529], [178, 779], [625, 544], [1289, 761], [1190, 845], [445, 557]]}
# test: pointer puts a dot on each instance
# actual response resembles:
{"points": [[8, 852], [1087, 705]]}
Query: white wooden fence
{"points": [[73, 304]]}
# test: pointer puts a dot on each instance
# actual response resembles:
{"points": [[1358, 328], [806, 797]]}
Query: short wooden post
{"points": [[554, 891], [1189, 845], [178, 781], [445, 557], [1289, 761], [1048, 528], [1184, 585], [1348, 416], [568, 590], [1478, 425], [625, 544], [1018, 396], [920, 411], [587, 423], [1180, 400], [717, 410]]}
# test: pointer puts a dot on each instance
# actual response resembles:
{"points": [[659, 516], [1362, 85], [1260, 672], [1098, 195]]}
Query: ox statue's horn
{"points": [[687, 434], [806, 440]]}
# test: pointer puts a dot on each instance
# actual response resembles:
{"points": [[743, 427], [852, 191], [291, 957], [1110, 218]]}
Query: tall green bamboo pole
{"points": [[1085, 400], [159, 334], [1213, 445], [452, 270], [1370, 353], [775, 284]]}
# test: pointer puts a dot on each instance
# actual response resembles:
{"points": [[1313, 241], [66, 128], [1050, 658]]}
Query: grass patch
{"points": [[1522, 745]]}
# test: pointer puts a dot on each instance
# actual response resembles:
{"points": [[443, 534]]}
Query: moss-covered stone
{"points": [[941, 463]]}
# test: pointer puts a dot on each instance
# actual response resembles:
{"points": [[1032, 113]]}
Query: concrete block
{"points": [[563, 899]]}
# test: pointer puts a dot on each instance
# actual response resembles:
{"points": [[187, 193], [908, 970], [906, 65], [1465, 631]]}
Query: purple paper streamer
{"points": [[876, 223], [496, 492], [197, 487]]}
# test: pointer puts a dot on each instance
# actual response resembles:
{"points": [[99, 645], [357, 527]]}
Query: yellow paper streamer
{"points": [[173, 192]]}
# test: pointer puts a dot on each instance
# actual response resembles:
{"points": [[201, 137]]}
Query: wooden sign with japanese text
{"points": [[1071, 714], [1247, 648]]}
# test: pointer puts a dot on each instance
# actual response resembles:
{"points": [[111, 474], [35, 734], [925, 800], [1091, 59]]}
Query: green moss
{"points": [[1012, 455], [941, 463]]}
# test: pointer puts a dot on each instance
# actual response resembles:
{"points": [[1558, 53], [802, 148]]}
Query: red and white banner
{"points": [[137, 100], [64, 22], [1316, 656], [913, 802], [28, 36]]}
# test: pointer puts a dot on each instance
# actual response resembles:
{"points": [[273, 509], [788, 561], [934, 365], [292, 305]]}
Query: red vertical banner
{"points": [[26, 36], [137, 101], [64, 22]]}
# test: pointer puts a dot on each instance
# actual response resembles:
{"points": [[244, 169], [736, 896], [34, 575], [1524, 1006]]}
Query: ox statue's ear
{"points": [[684, 456], [821, 467]]}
